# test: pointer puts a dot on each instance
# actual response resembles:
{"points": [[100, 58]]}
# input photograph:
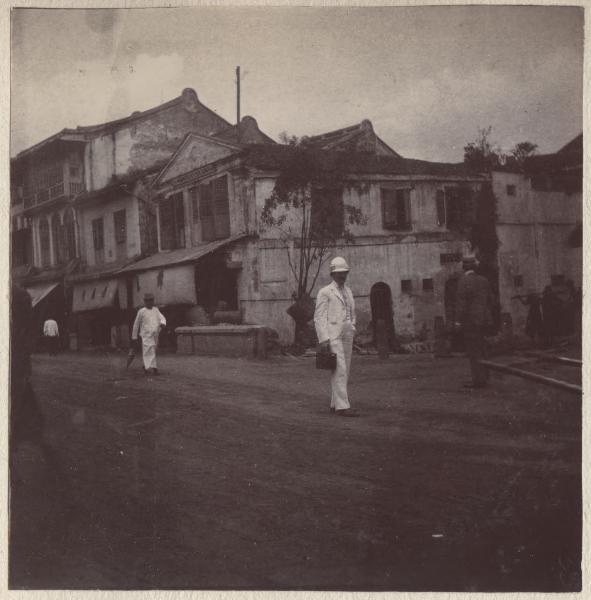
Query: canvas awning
{"points": [[93, 295], [40, 291]]}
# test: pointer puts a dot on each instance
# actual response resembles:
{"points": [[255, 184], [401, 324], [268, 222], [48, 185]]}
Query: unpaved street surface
{"points": [[232, 474]]}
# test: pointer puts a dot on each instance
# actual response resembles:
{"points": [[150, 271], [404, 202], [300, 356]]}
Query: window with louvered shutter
{"points": [[172, 222], [221, 207], [44, 242], [396, 209], [206, 213]]}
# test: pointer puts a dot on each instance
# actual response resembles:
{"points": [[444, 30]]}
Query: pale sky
{"points": [[427, 77]]}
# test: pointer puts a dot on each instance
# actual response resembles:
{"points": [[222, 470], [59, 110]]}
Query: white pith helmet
{"points": [[339, 265]]}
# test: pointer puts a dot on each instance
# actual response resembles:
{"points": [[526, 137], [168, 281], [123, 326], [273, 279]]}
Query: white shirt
{"points": [[147, 322], [50, 328], [344, 296]]}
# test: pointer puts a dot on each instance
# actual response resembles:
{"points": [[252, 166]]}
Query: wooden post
{"points": [[382, 338]]}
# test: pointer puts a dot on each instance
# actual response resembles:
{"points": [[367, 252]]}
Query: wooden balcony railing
{"points": [[57, 190], [76, 188]]}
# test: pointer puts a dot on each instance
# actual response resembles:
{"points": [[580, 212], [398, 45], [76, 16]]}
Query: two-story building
{"points": [[214, 248], [82, 210]]}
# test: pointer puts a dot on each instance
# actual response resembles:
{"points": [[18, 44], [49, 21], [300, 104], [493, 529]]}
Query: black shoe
{"points": [[155, 372], [347, 412]]}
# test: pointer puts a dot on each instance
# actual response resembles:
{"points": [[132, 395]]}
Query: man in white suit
{"points": [[148, 322], [334, 319]]}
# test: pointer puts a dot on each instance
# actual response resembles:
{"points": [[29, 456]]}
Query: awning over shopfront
{"points": [[39, 291], [92, 295], [175, 285], [179, 257]]}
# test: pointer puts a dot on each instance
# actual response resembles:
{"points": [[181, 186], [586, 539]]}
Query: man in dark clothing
{"points": [[26, 419], [534, 324], [474, 317]]}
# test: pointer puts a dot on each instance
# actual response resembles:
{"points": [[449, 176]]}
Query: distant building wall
{"points": [[87, 213], [266, 282], [146, 141], [533, 229]]}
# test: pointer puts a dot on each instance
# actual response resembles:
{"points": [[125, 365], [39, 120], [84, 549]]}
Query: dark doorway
{"points": [[215, 283], [380, 298]]}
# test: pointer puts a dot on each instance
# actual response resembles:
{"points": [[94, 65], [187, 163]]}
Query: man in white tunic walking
{"points": [[334, 319], [147, 324]]}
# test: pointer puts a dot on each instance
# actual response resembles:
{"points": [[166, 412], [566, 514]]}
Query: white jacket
{"points": [[330, 313], [147, 323]]}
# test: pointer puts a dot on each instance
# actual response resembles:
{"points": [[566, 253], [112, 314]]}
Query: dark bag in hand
{"points": [[325, 359]]}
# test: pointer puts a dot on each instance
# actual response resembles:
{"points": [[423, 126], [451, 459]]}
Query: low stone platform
{"points": [[223, 340]]}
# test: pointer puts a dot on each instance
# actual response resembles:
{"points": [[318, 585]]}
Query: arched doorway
{"points": [[380, 299]]}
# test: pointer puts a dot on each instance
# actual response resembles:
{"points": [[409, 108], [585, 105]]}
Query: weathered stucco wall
{"points": [[146, 141], [266, 282], [86, 214], [195, 153], [376, 256], [528, 205], [533, 229], [173, 285]]}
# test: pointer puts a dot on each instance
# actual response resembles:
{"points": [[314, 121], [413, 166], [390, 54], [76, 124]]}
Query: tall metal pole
{"points": [[238, 101]]}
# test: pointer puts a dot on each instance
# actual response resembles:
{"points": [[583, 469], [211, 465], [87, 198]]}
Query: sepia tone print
{"points": [[232, 229]]}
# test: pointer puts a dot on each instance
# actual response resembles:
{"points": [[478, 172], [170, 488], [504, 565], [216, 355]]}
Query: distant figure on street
{"points": [[51, 334], [474, 317], [148, 322], [334, 318], [534, 324]]}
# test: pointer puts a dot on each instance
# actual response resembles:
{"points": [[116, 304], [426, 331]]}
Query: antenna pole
{"points": [[237, 95]]}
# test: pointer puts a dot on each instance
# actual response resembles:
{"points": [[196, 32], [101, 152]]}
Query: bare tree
{"points": [[482, 154], [306, 207]]}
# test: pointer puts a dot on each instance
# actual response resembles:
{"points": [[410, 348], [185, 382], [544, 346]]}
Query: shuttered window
{"points": [[396, 209], [172, 222], [44, 242], [98, 239], [214, 209], [458, 207]]}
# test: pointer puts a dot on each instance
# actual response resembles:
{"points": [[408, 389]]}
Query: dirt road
{"points": [[232, 474]]}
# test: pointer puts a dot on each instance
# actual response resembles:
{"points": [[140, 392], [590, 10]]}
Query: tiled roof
{"points": [[97, 272], [83, 132], [53, 274], [575, 146], [177, 257], [347, 138], [249, 130], [279, 156]]}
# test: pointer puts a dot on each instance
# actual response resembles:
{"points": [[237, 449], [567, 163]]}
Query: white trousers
{"points": [[149, 345], [342, 347]]}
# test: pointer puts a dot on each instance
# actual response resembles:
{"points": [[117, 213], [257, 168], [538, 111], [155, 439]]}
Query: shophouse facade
{"points": [[403, 257], [82, 210]]}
